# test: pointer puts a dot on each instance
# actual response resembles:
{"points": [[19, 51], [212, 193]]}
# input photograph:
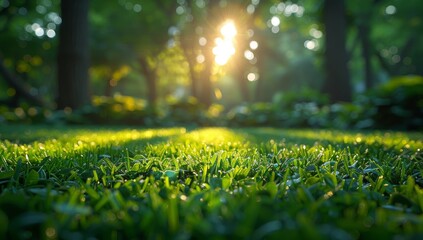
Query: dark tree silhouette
{"points": [[73, 55], [364, 33], [337, 84]]}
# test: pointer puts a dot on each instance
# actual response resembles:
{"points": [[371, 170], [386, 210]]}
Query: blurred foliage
{"points": [[189, 111], [286, 61], [397, 104], [23, 50], [289, 109], [288, 100], [24, 114], [115, 110], [256, 114]]}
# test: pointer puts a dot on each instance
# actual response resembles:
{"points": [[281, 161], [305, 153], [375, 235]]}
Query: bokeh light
{"points": [[180, 10], [137, 8], [200, 58], [390, 10], [253, 45], [275, 21], [251, 9], [39, 32], [202, 41], [315, 33], [249, 55], [51, 33], [311, 44], [252, 77]]}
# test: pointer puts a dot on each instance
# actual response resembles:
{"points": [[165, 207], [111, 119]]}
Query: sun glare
{"points": [[228, 29], [225, 48]]}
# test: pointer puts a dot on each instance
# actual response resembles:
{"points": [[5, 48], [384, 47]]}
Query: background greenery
{"points": [[147, 63]]}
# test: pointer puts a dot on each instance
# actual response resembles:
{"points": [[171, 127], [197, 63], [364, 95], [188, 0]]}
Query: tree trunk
{"points": [[337, 84], [243, 87], [187, 45], [206, 85], [364, 32], [73, 55], [210, 33], [151, 78], [242, 81], [240, 66], [194, 79]]}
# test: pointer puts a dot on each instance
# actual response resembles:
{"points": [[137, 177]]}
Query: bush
{"points": [[256, 114], [287, 100], [111, 110], [186, 110], [304, 108], [189, 111], [397, 104], [24, 114], [306, 114], [347, 116]]}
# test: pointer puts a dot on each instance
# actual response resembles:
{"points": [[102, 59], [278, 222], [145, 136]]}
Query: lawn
{"points": [[214, 183]]}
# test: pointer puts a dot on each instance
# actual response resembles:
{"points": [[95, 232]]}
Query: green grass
{"points": [[214, 183]]}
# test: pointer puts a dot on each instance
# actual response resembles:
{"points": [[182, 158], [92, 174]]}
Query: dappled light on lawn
{"points": [[60, 140], [225, 47], [180, 182], [252, 77], [214, 136]]}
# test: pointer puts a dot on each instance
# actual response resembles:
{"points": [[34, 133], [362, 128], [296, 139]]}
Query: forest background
{"points": [[320, 63]]}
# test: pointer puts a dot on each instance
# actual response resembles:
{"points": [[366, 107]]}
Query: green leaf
{"points": [[272, 188], [312, 180], [6, 175], [32, 178], [136, 166], [330, 180], [226, 182], [18, 170]]}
